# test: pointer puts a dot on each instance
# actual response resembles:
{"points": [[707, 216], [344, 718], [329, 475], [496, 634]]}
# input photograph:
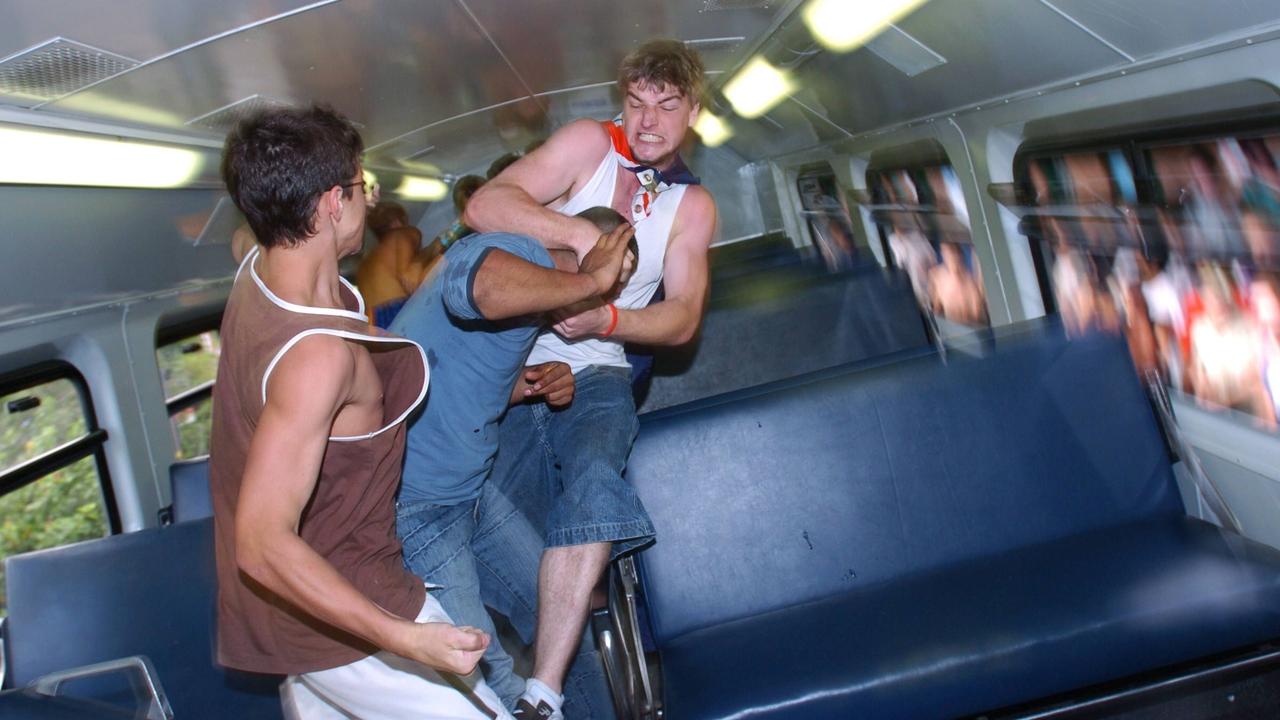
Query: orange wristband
{"points": [[613, 322]]}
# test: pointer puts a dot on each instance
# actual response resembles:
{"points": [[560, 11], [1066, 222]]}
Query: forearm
{"points": [[501, 207], [284, 564], [667, 323], [506, 286]]}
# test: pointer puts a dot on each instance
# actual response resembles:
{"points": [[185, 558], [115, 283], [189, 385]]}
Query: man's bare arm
{"points": [[506, 286], [308, 387], [675, 320], [515, 200]]}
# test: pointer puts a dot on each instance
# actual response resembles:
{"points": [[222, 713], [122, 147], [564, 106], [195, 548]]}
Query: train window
{"points": [[923, 221], [188, 366], [827, 217], [53, 484], [1174, 242]]}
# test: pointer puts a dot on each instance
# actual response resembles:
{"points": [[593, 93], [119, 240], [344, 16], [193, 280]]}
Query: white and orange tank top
{"points": [[652, 214]]}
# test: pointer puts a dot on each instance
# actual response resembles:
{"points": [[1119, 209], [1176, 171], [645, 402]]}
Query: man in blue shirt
{"points": [[477, 315]]}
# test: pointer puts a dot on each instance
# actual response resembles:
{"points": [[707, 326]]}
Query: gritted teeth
{"points": [[650, 137]]}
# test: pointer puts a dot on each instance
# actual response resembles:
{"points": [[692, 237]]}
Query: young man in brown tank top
{"points": [[307, 443]]}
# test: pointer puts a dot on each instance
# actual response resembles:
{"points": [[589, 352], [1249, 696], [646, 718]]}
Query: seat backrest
{"points": [[151, 593], [781, 327], [769, 498], [189, 483]]}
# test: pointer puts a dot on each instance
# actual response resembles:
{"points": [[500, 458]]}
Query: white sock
{"points": [[537, 691]]}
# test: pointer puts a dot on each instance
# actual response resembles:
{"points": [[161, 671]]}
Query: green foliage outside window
{"points": [[186, 364], [60, 508]]}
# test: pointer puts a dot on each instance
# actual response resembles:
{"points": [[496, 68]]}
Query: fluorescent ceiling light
{"points": [[371, 187], [757, 87], [843, 25], [420, 188], [36, 157], [712, 129]]}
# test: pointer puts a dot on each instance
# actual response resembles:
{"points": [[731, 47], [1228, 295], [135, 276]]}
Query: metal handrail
{"points": [[141, 672]]}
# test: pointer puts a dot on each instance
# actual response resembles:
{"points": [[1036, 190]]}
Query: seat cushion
{"points": [[988, 633], [767, 499]]}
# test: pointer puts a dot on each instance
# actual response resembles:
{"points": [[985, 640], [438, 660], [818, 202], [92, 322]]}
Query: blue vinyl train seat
{"points": [[148, 593], [778, 325], [189, 483], [920, 539]]}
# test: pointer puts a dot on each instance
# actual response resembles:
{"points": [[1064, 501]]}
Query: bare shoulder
{"points": [[318, 367], [410, 236], [582, 135], [696, 217]]}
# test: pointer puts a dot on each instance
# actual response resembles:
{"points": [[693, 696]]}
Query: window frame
{"points": [[918, 155], [1132, 141], [176, 332], [92, 444]]}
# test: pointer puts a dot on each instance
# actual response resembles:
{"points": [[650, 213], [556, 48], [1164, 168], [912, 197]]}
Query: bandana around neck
{"points": [[653, 182]]}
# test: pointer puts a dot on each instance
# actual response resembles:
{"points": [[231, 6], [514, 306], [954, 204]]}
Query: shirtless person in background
{"points": [[388, 274]]}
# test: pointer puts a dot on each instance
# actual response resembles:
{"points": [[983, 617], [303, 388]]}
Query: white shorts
{"points": [[386, 686]]}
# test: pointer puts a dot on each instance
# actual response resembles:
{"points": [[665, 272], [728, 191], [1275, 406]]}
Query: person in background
{"points": [[387, 274], [463, 189]]}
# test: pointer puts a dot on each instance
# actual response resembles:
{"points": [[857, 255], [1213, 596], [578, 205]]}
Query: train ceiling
{"points": [[447, 85]]}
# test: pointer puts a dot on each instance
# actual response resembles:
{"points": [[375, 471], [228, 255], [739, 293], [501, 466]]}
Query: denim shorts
{"points": [[565, 468]]}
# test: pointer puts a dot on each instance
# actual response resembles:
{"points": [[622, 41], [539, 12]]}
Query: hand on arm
{"points": [[306, 391], [552, 381], [506, 286], [675, 320], [515, 200]]}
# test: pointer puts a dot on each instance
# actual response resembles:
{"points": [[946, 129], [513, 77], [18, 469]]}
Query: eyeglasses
{"points": [[353, 184]]}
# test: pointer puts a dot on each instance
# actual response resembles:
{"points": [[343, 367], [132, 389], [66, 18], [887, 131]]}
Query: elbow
{"points": [[475, 213], [685, 334], [684, 337], [251, 556]]}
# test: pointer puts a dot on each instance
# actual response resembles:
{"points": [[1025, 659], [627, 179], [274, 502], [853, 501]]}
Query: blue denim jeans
{"points": [[564, 468], [486, 552]]}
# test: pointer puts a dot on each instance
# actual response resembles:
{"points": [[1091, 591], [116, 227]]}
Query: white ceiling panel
{"points": [[1147, 27], [390, 65], [992, 47], [565, 43], [139, 29]]}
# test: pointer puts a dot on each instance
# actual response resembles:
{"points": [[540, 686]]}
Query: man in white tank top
{"points": [[565, 468]]}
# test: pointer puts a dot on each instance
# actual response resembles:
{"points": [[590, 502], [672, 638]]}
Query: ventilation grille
{"points": [[226, 117], [58, 67]]}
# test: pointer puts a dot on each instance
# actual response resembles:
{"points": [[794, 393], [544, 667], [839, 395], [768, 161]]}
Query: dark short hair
{"points": [[463, 188], [277, 162], [604, 218], [665, 63], [501, 164], [383, 216]]}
